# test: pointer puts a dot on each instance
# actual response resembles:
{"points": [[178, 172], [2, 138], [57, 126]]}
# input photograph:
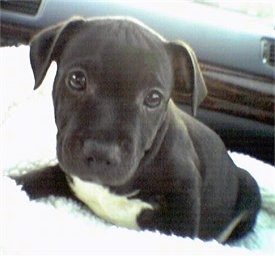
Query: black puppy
{"points": [[124, 148]]}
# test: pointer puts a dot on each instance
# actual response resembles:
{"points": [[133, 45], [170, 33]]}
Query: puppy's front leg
{"points": [[44, 182], [174, 213]]}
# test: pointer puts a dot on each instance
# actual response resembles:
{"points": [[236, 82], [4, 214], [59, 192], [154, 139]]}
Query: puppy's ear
{"points": [[47, 45], [187, 74]]}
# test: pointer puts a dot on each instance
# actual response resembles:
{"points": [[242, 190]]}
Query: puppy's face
{"points": [[110, 95]]}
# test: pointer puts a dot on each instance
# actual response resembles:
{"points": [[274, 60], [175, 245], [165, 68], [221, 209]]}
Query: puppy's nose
{"points": [[101, 154]]}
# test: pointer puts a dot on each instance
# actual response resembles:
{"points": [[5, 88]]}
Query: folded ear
{"points": [[187, 73], [47, 45]]}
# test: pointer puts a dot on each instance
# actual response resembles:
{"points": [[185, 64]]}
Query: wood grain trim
{"points": [[236, 93]]}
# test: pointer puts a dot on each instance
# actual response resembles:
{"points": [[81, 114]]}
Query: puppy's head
{"points": [[111, 93]]}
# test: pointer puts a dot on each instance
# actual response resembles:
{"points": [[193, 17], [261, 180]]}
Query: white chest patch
{"points": [[116, 209]]}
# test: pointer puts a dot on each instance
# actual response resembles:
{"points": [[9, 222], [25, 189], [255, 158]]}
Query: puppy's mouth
{"points": [[105, 164]]}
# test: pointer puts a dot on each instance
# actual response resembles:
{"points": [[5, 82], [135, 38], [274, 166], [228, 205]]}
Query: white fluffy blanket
{"points": [[57, 226]]}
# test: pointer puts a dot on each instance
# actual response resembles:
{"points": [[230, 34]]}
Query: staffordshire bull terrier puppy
{"points": [[124, 148]]}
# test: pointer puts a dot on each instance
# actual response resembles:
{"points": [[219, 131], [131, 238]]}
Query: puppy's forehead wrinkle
{"points": [[125, 30]]}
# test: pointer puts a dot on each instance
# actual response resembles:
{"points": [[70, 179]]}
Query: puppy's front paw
{"points": [[44, 182]]}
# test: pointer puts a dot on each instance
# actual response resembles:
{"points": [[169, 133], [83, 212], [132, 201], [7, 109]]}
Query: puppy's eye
{"points": [[77, 80], [153, 99]]}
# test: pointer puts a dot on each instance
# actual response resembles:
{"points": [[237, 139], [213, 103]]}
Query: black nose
{"points": [[99, 154]]}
